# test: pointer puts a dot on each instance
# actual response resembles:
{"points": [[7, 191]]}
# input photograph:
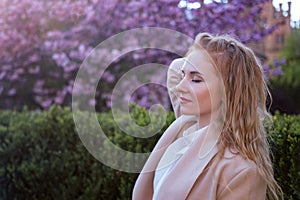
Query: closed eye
{"points": [[196, 78], [197, 81]]}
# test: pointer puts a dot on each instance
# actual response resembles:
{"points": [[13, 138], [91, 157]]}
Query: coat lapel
{"points": [[182, 177], [143, 188]]}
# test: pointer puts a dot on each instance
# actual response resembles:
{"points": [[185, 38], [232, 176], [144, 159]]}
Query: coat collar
{"points": [[182, 177], [190, 166]]}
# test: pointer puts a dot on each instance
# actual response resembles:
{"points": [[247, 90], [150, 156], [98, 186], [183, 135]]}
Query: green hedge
{"points": [[42, 157], [285, 145]]}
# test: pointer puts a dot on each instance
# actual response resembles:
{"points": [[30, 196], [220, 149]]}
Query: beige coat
{"points": [[198, 174]]}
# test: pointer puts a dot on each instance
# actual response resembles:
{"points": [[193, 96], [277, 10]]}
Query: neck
{"points": [[204, 120]]}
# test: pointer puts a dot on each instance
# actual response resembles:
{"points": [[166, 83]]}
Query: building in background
{"points": [[269, 47]]}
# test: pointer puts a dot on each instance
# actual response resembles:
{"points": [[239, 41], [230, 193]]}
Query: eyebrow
{"points": [[192, 72]]}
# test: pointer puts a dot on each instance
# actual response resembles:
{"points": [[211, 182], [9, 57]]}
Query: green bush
{"points": [[42, 156], [285, 145]]}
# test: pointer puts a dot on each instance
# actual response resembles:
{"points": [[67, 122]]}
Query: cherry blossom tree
{"points": [[43, 43]]}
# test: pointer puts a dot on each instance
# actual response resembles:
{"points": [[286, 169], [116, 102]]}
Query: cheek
{"points": [[203, 97], [215, 95], [207, 97]]}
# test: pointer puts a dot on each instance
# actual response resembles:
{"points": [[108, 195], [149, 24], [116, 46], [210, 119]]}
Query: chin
{"points": [[188, 112]]}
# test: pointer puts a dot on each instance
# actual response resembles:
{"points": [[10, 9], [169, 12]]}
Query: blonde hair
{"points": [[246, 93]]}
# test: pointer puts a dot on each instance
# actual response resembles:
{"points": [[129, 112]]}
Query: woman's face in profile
{"points": [[199, 88]]}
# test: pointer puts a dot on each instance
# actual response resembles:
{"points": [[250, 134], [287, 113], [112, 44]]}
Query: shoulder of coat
{"points": [[232, 159]]}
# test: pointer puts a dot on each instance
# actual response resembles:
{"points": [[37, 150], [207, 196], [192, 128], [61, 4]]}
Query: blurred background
{"points": [[43, 44]]}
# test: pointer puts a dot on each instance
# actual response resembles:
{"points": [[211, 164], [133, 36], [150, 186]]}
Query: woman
{"points": [[217, 147]]}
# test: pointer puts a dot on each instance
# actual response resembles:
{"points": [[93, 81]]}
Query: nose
{"points": [[182, 86]]}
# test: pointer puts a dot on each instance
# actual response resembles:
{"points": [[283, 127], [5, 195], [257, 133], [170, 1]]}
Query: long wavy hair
{"points": [[246, 94]]}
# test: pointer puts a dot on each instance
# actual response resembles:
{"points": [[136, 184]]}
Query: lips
{"points": [[184, 100]]}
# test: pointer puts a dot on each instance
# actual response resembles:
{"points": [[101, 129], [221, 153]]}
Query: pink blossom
{"points": [[43, 43], [46, 104], [12, 92], [34, 70]]}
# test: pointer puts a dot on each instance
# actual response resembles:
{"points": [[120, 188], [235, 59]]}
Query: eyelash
{"points": [[193, 80], [197, 81]]}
